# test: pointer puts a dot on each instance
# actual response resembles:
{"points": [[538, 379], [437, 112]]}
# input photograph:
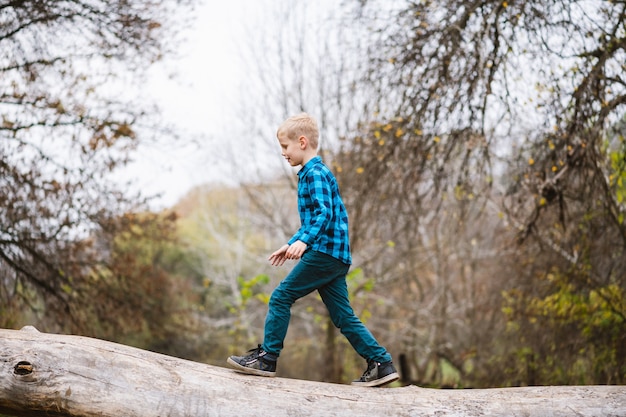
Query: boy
{"points": [[322, 246]]}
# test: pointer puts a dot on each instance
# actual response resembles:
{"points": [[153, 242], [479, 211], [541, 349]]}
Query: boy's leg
{"points": [[302, 280], [380, 369], [312, 271], [336, 299]]}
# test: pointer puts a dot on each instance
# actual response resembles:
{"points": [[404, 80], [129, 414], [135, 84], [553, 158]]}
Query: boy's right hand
{"points": [[279, 257]]}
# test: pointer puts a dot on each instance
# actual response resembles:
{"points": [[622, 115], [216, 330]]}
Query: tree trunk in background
{"points": [[46, 374]]}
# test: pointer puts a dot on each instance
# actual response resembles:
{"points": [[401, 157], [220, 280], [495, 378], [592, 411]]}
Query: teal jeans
{"points": [[327, 275]]}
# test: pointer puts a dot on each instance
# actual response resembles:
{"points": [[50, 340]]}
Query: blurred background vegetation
{"points": [[480, 149]]}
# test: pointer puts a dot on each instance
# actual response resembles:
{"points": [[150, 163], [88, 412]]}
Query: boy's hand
{"points": [[294, 251], [278, 258]]}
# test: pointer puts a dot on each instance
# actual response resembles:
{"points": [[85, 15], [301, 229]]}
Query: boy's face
{"points": [[292, 149]]}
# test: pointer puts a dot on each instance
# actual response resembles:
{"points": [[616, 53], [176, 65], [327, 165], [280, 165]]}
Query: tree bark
{"points": [[59, 375]]}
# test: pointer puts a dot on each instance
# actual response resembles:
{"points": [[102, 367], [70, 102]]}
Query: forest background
{"points": [[479, 146]]}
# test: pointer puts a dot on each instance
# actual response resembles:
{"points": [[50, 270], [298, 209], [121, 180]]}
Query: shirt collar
{"points": [[314, 161]]}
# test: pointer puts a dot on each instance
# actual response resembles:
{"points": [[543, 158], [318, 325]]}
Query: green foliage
{"points": [[617, 177], [359, 286], [570, 335], [251, 288]]}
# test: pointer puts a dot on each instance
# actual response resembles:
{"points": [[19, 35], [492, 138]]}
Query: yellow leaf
{"points": [[436, 139], [399, 132], [264, 298], [360, 170], [531, 161]]}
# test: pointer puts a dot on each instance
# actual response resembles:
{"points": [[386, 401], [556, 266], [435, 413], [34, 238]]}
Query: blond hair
{"points": [[300, 125]]}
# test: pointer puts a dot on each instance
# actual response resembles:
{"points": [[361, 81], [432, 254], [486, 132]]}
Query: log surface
{"points": [[61, 375]]}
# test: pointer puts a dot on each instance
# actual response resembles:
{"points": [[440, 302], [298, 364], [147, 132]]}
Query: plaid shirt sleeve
{"points": [[315, 206], [323, 216]]}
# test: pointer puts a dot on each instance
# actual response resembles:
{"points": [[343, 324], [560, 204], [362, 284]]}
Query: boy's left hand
{"points": [[296, 250]]}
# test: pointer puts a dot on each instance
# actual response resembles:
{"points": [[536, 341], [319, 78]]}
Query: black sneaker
{"points": [[377, 374], [256, 362]]}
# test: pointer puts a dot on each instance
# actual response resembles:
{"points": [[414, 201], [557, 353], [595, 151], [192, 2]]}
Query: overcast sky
{"points": [[197, 93], [203, 90]]}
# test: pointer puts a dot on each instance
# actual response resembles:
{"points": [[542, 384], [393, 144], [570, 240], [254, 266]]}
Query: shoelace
{"points": [[254, 352], [370, 366]]}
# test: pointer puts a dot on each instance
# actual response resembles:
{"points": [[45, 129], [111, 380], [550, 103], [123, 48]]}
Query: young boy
{"points": [[322, 246]]}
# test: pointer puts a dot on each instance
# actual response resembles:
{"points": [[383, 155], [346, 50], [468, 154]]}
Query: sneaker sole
{"points": [[378, 382], [249, 371]]}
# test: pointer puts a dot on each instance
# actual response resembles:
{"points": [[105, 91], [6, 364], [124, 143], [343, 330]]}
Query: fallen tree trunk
{"points": [[58, 375]]}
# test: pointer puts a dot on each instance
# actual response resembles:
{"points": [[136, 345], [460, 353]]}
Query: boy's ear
{"points": [[303, 142]]}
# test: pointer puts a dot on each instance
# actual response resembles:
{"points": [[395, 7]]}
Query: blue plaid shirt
{"points": [[323, 217]]}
